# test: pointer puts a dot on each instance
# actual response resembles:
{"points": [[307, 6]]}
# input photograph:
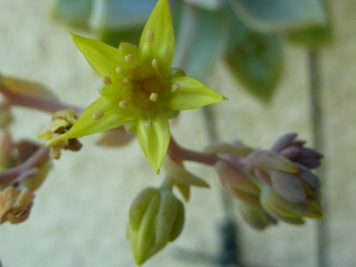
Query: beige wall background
{"points": [[80, 214]]}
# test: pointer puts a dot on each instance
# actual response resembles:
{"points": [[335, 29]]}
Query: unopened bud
{"points": [[156, 218]]}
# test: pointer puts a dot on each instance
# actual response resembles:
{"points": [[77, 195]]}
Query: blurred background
{"points": [[80, 213]]}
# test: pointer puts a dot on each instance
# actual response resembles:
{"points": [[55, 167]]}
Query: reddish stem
{"points": [[178, 153], [38, 158]]}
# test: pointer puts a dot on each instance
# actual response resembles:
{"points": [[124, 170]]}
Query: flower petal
{"points": [[157, 39], [103, 58], [192, 94], [154, 137], [100, 116]]}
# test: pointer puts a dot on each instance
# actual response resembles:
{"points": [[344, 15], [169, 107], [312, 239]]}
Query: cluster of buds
{"points": [[272, 185]]}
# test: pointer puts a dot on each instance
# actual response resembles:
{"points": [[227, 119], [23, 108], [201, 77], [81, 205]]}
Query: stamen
{"points": [[148, 124], [153, 97], [175, 87], [97, 115], [123, 104], [155, 64], [119, 70], [150, 36], [107, 80], [129, 58]]}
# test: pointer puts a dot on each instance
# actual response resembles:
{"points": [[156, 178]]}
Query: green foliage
{"points": [[254, 58]]}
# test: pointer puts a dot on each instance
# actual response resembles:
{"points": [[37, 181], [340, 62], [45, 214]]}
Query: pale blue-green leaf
{"points": [[254, 58], [120, 14], [206, 46], [72, 12], [207, 4], [280, 15]]}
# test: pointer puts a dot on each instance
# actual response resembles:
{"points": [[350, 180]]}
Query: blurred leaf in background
{"points": [[248, 35]]}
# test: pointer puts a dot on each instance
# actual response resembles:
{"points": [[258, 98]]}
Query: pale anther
{"points": [[119, 70], [155, 64], [97, 115], [153, 97], [175, 87], [148, 124], [126, 81], [129, 58], [150, 36], [107, 80], [123, 104]]}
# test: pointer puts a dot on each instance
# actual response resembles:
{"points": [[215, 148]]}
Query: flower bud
{"points": [[234, 180], [156, 218], [290, 212], [270, 160], [256, 216]]}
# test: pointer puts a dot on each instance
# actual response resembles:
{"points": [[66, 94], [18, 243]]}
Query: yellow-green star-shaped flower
{"points": [[140, 87]]}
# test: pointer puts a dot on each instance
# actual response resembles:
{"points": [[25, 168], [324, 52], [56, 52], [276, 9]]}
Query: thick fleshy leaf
{"points": [[157, 39], [72, 12], [103, 58], [206, 47], [192, 94], [100, 116], [280, 15], [207, 4], [120, 14], [254, 58], [153, 136]]}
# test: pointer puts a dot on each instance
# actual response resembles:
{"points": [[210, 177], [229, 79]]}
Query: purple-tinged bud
{"points": [[270, 160], [284, 141], [234, 180], [291, 148], [289, 186]]}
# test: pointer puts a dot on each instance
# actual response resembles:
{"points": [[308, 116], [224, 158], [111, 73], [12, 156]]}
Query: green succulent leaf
{"points": [[207, 46], [280, 15], [254, 58]]}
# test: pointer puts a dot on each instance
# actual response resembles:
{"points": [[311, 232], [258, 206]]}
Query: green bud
{"points": [[256, 216], [287, 211], [156, 218]]}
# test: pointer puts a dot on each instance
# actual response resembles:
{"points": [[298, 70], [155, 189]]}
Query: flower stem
{"points": [[11, 175], [178, 153], [316, 117]]}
